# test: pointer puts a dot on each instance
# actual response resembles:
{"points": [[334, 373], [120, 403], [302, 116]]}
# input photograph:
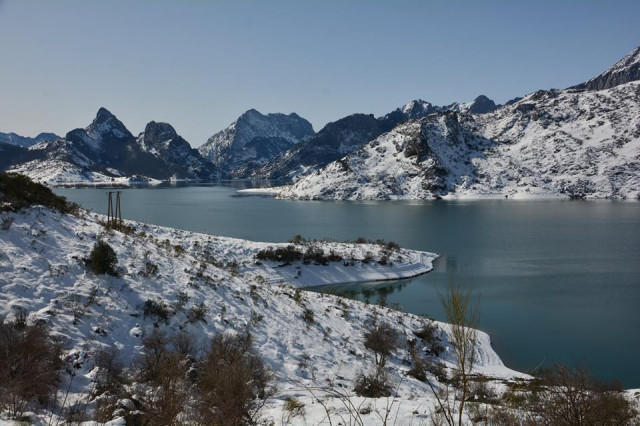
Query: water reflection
{"points": [[374, 292]]}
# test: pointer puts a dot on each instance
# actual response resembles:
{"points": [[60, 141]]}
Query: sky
{"points": [[198, 65]]}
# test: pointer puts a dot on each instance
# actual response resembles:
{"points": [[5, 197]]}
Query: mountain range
{"points": [[25, 141], [581, 142], [578, 142]]}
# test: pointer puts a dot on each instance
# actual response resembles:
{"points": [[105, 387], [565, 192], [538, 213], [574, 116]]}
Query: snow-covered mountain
{"points": [[348, 135], [254, 139], [550, 143], [25, 141], [334, 141], [106, 152], [162, 141], [625, 70], [480, 105]]}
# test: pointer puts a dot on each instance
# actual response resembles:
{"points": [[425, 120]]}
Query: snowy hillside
{"points": [[348, 135], [254, 139], [308, 339], [551, 143]]}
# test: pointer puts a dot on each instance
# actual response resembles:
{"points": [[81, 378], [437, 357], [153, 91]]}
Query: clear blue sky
{"points": [[198, 65]]}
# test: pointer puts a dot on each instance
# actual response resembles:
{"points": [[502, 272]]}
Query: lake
{"points": [[558, 281]]}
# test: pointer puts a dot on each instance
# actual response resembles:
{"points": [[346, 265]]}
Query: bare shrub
{"points": [[292, 408], [307, 315], [150, 269], [571, 396], [373, 385], [233, 381], [163, 368], [198, 313], [6, 223], [427, 333], [418, 371], [156, 309], [30, 364], [381, 340], [110, 377]]}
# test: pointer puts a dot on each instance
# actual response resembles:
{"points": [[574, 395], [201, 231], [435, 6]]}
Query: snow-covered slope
{"points": [[254, 139], [347, 135], [41, 269], [106, 153], [334, 141], [625, 70], [551, 143], [25, 141]]}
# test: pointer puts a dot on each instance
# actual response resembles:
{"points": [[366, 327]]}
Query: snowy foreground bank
{"points": [[311, 341]]}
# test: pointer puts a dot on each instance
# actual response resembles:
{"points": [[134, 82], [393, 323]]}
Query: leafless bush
{"points": [[6, 223], [163, 370], [233, 382], [381, 340], [30, 364], [292, 408], [307, 315], [198, 313], [150, 269], [110, 377], [571, 396], [373, 385], [418, 371]]}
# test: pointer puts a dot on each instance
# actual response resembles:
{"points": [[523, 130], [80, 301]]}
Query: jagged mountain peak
{"points": [[482, 105], [255, 138], [416, 108], [107, 124], [625, 70], [159, 131]]}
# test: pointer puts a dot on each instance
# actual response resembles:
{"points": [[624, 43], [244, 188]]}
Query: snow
{"points": [[41, 269], [549, 144], [228, 148], [62, 173]]}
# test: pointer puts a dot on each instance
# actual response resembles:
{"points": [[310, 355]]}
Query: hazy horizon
{"points": [[198, 66]]}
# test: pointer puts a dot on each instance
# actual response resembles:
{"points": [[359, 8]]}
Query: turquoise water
{"points": [[558, 281]]}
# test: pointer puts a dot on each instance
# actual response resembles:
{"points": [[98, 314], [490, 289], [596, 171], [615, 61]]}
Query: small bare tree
{"points": [[463, 315]]}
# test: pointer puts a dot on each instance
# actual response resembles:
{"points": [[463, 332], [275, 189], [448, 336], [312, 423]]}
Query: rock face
{"points": [[348, 135], [482, 105], [182, 161], [625, 70], [550, 143], [254, 139], [24, 141], [334, 141], [106, 150]]}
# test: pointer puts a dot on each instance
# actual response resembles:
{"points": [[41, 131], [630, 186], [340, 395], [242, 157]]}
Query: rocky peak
{"points": [[106, 124], [482, 105], [625, 70], [155, 132], [255, 137]]}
